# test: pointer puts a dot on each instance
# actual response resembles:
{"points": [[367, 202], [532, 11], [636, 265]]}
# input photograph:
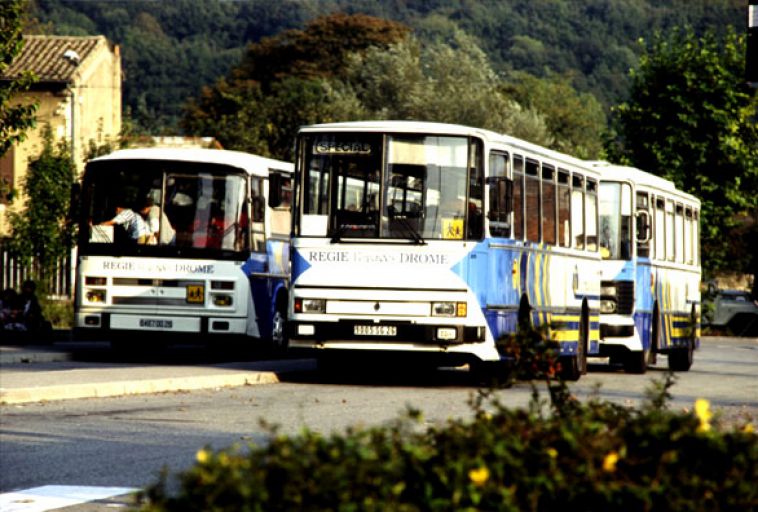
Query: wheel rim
{"points": [[277, 330]]}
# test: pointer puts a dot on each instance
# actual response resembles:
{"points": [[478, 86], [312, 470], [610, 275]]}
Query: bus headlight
{"points": [[310, 305], [607, 306], [222, 300], [449, 309], [608, 291], [96, 296], [95, 281]]}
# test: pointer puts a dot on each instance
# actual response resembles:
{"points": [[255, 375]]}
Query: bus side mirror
{"points": [[644, 233], [274, 189]]}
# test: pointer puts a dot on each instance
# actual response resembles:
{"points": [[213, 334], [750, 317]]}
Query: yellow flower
{"points": [[479, 476], [704, 414], [748, 428], [609, 462], [552, 453], [202, 456]]}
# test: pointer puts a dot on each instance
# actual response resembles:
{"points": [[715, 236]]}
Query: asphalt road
{"points": [[125, 441]]}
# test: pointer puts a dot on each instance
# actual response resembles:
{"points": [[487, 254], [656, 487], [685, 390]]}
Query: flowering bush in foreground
{"points": [[556, 454]]}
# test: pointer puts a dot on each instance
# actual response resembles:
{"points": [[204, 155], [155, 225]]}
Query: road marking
{"points": [[49, 497]]}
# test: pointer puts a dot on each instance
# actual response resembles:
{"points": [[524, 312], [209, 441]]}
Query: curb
{"points": [[33, 355], [111, 389]]}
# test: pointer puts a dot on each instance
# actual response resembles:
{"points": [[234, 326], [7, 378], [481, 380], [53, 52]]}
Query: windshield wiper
{"points": [[410, 230]]}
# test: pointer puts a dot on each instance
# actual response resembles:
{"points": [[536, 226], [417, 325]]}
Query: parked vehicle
{"points": [[734, 311]]}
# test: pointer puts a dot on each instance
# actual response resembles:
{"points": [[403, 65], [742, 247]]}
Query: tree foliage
{"points": [[40, 229], [282, 84], [172, 49], [691, 119], [449, 83], [15, 118]]}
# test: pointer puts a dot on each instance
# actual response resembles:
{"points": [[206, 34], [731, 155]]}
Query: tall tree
{"points": [[282, 83], [40, 229], [444, 82], [15, 118], [690, 118]]}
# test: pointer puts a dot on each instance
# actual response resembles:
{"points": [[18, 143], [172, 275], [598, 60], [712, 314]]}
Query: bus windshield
{"points": [[615, 221], [167, 208], [415, 188]]}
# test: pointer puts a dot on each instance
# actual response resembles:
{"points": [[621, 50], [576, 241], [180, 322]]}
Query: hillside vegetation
{"points": [[172, 49]]}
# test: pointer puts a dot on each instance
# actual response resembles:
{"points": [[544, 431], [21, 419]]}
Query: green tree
{"points": [[575, 120], [39, 229], [449, 82], [15, 119], [283, 83], [690, 118]]}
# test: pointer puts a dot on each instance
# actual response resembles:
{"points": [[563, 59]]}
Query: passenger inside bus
{"points": [[133, 223]]}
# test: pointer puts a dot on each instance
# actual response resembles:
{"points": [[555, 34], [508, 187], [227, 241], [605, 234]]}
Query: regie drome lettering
{"points": [[188, 268], [370, 257]]}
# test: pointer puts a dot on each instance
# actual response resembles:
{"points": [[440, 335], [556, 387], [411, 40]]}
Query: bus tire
{"points": [[681, 358], [635, 361], [575, 366]]}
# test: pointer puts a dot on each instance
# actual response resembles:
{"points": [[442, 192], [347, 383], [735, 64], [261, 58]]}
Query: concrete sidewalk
{"points": [[45, 373]]}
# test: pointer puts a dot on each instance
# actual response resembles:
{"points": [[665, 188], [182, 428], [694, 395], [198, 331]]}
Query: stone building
{"points": [[79, 96]]}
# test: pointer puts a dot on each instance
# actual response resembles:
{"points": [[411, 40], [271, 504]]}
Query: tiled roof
{"points": [[46, 56]]}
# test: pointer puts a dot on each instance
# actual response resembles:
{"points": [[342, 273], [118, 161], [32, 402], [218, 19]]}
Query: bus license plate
{"points": [[195, 293], [151, 323], [375, 330]]}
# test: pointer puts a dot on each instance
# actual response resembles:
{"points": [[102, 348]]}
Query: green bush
{"points": [[556, 454], [60, 313]]}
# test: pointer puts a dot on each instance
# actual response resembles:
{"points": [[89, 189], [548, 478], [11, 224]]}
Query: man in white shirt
{"points": [[133, 223]]}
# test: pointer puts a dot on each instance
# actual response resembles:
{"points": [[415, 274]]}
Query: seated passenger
{"points": [[134, 224]]}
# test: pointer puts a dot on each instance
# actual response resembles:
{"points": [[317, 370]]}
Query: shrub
{"points": [[555, 454]]}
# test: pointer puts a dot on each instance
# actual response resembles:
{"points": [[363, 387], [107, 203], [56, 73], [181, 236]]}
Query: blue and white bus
{"points": [[432, 241], [650, 293], [186, 244]]}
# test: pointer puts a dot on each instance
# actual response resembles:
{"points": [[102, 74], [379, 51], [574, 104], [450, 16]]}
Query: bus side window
{"points": [[659, 229], [500, 195], [590, 218], [688, 231], [577, 211], [548, 204], [564, 209], [518, 197], [533, 200], [679, 233], [643, 225], [475, 207], [258, 206], [670, 234]]}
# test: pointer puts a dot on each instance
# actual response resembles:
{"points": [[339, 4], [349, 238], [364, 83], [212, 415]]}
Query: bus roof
{"points": [[641, 178], [253, 164], [446, 129]]}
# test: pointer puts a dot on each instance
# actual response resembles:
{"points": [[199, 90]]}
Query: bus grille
{"points": [[625, 297]]}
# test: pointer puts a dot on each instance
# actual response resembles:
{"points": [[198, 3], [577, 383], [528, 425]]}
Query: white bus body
{"points": [[218, 264], [650, 293], [432, 241]]}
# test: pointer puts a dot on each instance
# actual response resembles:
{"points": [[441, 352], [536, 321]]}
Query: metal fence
{"points": [[57, 283]]}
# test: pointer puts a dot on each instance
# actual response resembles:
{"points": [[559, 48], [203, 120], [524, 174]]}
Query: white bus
{"points": [[186, 244], [650, 295], [432, 241]]}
